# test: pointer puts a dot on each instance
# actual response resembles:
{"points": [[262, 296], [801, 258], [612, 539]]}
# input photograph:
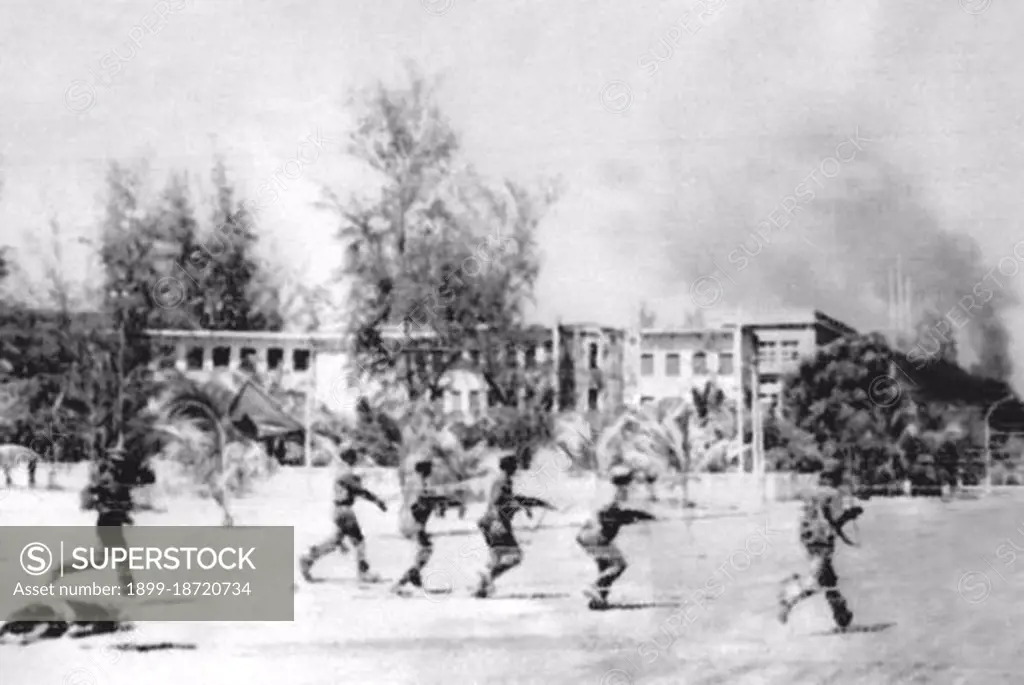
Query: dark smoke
{"points": [[740, 115], [839, 240]]}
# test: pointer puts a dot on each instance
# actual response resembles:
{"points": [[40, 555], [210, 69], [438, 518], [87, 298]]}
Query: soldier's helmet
{"points": [[620, 475], [348, 453]]}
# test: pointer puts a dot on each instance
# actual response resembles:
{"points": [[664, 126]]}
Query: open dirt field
{"points": [[918, 619]]}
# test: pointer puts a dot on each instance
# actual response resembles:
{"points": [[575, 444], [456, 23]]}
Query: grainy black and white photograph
{"points": [[450, 342]]}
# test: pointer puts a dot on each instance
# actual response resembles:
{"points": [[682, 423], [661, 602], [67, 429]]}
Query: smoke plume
{"points": [[798, 157]]}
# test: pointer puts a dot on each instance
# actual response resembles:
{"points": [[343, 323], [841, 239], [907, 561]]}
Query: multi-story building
{"points": [[784, 338], [597, 367], [674, 361], [590, 358], [593, 357]]}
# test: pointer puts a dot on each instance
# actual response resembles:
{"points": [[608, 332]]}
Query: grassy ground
{"points": [[918, 619]]}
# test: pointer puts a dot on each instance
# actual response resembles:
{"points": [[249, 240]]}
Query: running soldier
{"points": [[821, 521], [496, 524], [348, 486], [597, 537], [419, 501], [110, 496]]}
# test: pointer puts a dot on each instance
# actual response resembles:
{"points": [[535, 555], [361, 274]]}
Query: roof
{"points": [[656, 332], [780, 317]]}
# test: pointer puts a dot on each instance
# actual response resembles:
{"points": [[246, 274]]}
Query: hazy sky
{"points": [[665, 180]]}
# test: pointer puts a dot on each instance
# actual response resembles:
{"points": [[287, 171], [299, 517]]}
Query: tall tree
{"points": [[178, 258], [440, 263], [135, 259], [844, 398], [115, 377], [439, 250], [237, 294]]}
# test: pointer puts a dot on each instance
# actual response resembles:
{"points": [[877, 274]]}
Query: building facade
{"points": [[674, 361], [593, 367], [784, 339], [589, 358]]}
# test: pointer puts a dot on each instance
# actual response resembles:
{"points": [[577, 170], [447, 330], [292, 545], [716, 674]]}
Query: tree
{"points": [[853, 402], [847, 401], [306, 307], [442, 256], [235, 292], [113, 377], [141, 290], [179, 288]]}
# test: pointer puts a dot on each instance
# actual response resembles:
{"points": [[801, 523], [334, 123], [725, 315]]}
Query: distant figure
{"points": [[12, 455], [110, 496]]}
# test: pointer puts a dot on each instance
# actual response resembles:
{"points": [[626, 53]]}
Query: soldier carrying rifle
{"points": [[496, 524]]}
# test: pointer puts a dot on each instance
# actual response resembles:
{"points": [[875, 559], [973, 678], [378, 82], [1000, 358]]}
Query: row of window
{"points": [[195, 357], [766, 398], [698, 364], [773, 352], [476, 407], [221, 358], [436, 358]]}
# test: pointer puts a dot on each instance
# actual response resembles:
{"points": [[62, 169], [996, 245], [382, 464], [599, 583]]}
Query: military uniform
{"points": [[415, 513], [347, 487], [419, 500], [111, 497], [822, 511], [496, 525], [597, 538]]}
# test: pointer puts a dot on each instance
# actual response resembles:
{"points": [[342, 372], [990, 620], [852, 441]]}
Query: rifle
{"points": [[630, 516], [529, 503]]}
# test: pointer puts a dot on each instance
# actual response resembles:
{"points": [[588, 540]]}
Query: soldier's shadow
{"points": [[355, 583], [869, 628], [156, 646], [535, 595], [635, 606]]}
